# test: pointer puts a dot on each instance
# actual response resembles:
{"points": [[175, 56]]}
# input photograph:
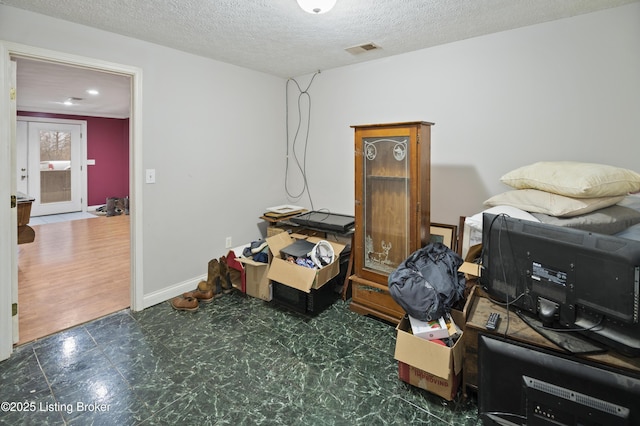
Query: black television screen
{"points": [[520, 384], [566, 277]]}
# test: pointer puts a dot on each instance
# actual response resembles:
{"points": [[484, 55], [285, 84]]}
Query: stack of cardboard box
{"points": [[430, 364], [306, 290], [300, 288]]}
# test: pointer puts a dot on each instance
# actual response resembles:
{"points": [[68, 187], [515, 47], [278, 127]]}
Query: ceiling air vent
{"points": [[356, 50]]}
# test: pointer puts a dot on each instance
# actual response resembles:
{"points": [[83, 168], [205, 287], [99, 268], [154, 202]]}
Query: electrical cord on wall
{"points": [[302, 166]]}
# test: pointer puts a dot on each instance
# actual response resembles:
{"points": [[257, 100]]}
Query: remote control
{"points": [[492, 321]]}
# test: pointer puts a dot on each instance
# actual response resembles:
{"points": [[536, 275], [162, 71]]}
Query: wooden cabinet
{"points": [[392, 209]]}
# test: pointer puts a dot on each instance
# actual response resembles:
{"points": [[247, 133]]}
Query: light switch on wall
{"points": [[150, 176]]}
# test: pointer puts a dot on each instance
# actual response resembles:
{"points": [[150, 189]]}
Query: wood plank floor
{"points": [[72, 273]]}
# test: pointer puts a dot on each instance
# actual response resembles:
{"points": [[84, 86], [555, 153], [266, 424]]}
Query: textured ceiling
{"points": [[278, 38]]}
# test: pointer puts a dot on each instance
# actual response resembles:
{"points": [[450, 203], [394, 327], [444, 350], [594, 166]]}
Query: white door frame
{"points": [[82, 150], [8, 216]]}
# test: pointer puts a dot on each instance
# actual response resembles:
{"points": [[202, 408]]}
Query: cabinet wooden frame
{"points": [[392, 198]]}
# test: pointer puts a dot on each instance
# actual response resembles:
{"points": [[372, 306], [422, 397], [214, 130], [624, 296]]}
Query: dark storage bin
{"points": [[339, 279], [317, 300], [305, 303]]}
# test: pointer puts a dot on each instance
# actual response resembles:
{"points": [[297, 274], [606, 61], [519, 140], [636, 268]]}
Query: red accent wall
{"points": [[108, 145]]}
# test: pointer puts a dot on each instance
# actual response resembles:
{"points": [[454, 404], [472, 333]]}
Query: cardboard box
{"points": [[446, 388], [249, 276], [472, 270], [236, 270], [429, 365], [256, 281], [297, 276]]}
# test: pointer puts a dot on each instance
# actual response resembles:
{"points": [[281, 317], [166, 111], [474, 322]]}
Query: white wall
{"points": [[563, 90], [209, 131], [567, 89]]}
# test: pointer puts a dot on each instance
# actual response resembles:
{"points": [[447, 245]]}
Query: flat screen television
{"points": [[520, 384], [568, 278]]}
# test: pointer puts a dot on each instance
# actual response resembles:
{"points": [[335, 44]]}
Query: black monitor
{"points": [[568, 278], [520, 384]]}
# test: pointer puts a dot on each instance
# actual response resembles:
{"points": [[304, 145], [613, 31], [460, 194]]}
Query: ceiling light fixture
{"points": [[316, 7], [72, 100]]}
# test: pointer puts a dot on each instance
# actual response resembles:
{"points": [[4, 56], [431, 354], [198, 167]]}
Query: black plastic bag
{"points": [[428, 282]]}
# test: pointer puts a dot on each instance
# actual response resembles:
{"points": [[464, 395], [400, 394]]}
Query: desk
{"points": [[519, 331]]}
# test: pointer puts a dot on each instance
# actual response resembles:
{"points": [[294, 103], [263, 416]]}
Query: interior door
{"points": [[54, 167], [14, 215]]}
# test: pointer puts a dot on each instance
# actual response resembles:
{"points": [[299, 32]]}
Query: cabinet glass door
{"points": [[385, 203]]}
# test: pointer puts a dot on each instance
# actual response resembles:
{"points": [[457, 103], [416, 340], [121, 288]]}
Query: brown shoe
{"points": [[202, 285], [185, 303], [204, 296]]}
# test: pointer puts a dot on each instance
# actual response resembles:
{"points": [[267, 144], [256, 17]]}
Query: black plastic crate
{"points": [[318, 299], [311, 303]]}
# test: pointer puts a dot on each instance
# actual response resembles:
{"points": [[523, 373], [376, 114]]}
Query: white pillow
{"points": [[534, 201], [574, 179]]}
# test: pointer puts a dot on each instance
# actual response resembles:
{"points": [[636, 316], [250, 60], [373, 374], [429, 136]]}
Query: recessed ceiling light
{"points": [[93, 92], [362, 48], [72, 100]]}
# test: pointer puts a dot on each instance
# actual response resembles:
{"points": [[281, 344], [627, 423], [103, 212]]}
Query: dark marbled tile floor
{"points": [[236, 361]]}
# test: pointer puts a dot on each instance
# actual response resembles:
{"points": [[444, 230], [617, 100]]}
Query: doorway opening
{"points": [[59, 285], [133, 255]]}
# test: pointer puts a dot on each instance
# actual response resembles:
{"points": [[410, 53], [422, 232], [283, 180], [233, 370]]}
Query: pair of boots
{"points": [[218, 277], [116, 206], [218, 283]]}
